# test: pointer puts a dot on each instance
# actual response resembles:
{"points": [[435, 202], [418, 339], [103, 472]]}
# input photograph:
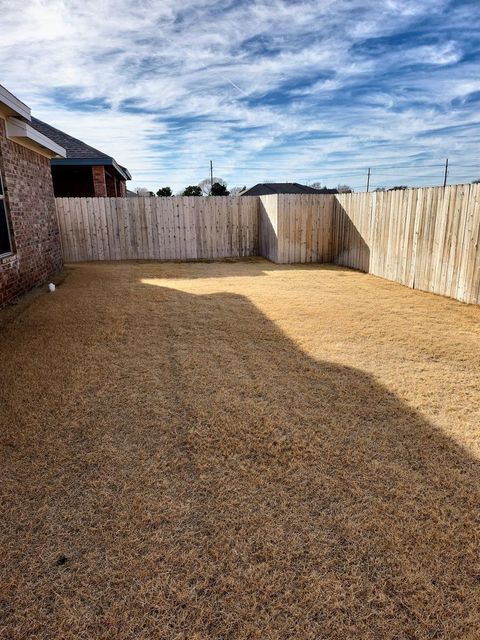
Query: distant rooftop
{"points": [[78, 152], [266, 188]]}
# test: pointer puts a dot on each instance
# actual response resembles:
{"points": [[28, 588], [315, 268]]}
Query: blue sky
{"points": [[290, 91]]}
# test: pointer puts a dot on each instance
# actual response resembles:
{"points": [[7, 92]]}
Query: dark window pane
{"points": [[4, 237]]}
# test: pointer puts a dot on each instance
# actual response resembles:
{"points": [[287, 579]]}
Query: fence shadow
{"points": [[268, 235], [223, 484], [349, 248]]}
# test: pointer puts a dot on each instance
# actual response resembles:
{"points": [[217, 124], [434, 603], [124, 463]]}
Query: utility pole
{"points": [[446, 173], [368, 179], [211, 176]]}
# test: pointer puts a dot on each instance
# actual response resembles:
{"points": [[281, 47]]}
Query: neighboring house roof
{"points": [[267, 188], [131, 194], [78, 152]]}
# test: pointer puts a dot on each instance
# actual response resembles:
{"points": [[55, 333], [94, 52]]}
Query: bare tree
{"points": [[235, 191], [344, 188], [206, 185], [141, 191]]}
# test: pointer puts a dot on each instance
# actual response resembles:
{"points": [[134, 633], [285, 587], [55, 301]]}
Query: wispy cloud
{"points": [[298, 90]]}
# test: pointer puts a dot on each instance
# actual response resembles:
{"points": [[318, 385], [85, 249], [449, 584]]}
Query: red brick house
{"points": [[85, 171], [30, 250]]}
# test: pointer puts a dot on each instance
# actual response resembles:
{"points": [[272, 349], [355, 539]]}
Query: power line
{"points": [[321, 169], [462, 173], [383, 166]]}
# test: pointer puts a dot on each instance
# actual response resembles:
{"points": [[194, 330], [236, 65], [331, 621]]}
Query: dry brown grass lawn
{"points": [[238, 450]]}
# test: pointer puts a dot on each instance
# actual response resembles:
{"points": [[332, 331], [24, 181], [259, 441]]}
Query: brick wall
{"points": [[33, 223], [99, 183]]}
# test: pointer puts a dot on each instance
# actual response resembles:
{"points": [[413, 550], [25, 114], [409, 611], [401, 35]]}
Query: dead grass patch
{"points": [[239, 450]]}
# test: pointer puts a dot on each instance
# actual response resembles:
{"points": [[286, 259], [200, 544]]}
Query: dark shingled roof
{"points": [[266, 188], [75, 148], [77, 151]]}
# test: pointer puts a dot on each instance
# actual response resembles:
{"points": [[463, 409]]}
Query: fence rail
{"points": [[427, 239]]}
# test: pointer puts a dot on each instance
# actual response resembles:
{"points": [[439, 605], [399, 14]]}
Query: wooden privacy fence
{"points": [[427, 239], [296, 228], [178, 228]]}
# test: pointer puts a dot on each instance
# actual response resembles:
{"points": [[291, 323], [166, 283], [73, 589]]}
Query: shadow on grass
{"points": [[231, 268], [322, 505], [208, 479]]}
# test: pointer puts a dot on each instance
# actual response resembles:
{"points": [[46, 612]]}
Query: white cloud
{"points": [[296, 87]]}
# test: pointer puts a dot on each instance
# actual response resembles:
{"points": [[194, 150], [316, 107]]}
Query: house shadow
{"points": [[209, 479], [319, 504]]}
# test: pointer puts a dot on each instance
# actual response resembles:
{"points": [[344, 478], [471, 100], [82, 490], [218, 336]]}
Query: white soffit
{"points": [[23, 133]]}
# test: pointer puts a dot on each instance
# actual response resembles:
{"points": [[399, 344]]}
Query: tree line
{"points": [[219, 188], [204, 188]]}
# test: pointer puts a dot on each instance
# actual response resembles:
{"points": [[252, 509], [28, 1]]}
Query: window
{"points": [[5, 241]]}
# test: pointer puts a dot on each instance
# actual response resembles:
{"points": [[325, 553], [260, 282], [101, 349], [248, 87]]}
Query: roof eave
{"points": [[123, 171], [23, 133], [13, 106], [93, 162]]}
